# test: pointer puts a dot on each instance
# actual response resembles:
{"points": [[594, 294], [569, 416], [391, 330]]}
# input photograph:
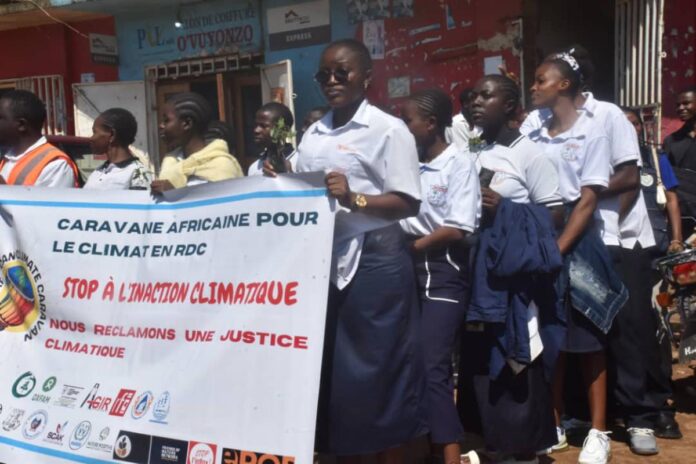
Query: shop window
{"points": [[51, 90]]}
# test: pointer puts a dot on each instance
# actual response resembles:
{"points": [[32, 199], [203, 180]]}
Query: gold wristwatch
{"points": [[359, 202]]}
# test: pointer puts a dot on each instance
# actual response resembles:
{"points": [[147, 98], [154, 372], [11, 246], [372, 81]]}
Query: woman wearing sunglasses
{"points": [[371, 398]]}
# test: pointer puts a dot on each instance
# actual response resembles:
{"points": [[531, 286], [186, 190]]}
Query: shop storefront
{"points": [[219, 48]]}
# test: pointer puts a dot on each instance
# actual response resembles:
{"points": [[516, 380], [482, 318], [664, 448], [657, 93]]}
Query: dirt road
{"points": [[671, 451]]}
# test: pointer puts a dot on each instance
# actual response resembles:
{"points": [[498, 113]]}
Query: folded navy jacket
{"points": [[517, 261]]}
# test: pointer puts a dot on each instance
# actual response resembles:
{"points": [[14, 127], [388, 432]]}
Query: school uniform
{"points": [[512, 410], [451, 198], [130, 174], [256, 168], [637, 381], [582, 157], [460, 132], [372, 387], [656, 212]]}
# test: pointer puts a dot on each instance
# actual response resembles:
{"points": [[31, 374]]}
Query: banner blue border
{"points": [[52, 452], [168, 206]]}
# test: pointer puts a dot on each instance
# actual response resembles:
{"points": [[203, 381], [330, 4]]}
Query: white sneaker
{"points": [[596, 449], [561, 445], [471, 457], [642, 441]]}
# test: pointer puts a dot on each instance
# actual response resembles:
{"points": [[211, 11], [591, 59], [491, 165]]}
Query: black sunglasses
{"points": [[323, 76]]}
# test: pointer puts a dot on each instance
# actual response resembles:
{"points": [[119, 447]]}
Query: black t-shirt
{"points": [[681, 152], [681, 148]]}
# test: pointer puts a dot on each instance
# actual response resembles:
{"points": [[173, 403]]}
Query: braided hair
{"points": [[575, 65], [220, 130], [194, 107], [509, 88], [436, 104], [122, 123]]}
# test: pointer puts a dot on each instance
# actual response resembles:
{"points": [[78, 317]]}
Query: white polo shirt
{"points": [[378, 155], [451, 194], [131, 174], [623, 142], [581, 156], [256, 168], [522, 172], [460, 132], [57, 173]]}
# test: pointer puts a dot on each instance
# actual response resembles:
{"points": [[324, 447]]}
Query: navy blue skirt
{"points": [[371, 396], [582, 335], [443, 285], [513, 413]]}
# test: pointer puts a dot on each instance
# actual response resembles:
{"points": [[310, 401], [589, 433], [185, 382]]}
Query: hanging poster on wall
{"points": [[402, 8], [373, 38], [399, 87], [378, 9], [366, 10], [357, 11], [299, 25]]}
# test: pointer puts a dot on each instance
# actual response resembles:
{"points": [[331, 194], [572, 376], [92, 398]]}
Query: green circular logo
{"points": [[49, 384], [24, 385]]}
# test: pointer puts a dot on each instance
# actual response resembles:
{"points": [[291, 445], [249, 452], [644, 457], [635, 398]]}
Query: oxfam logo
{"points": [[19, 301], [49, 384], [24, 385]]}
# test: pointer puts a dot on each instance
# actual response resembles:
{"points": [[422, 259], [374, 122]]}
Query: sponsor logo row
{"points": [[35, 424], [126, 446], [130, 446], [73, 397], [139, 448]]}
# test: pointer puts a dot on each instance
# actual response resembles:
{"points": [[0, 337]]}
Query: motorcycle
{"points": [[679, 271]]}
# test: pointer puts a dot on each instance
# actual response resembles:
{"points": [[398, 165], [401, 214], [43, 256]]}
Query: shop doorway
{"points": [[550, 26], [235, 94], [234, 97]]}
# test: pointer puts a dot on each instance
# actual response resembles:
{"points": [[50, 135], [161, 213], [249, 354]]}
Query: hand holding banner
{"points": [[140, 330]]}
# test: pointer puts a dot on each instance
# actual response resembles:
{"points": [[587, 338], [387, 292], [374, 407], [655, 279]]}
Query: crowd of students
{"points": [[522, 245]]}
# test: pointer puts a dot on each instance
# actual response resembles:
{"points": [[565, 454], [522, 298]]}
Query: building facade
{"points": [[240, 54]]}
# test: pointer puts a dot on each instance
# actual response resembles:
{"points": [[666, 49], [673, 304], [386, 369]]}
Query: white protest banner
{"points": [[134, 329]]}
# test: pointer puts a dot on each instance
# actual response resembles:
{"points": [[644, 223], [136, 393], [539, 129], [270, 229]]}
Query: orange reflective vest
{"points": [[29, 167]]}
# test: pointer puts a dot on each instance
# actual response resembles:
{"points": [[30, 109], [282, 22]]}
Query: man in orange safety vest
{"points": [[29, 159]]}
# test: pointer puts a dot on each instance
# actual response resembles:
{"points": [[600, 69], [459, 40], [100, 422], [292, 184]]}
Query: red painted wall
{"points": [[55, 49], [78, 54], [679, 64], [454, 60], [33, 51]]}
